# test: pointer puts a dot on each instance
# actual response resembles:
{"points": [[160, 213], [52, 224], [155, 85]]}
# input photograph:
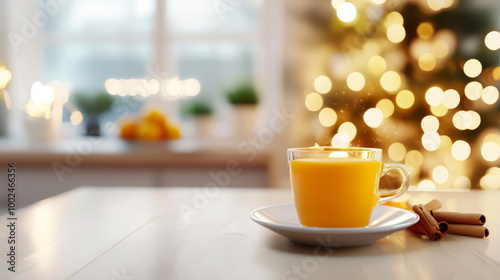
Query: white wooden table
{"points": [[187, 233]]}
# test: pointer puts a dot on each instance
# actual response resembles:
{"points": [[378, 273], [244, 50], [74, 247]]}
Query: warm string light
{"points": [[170, 88]]}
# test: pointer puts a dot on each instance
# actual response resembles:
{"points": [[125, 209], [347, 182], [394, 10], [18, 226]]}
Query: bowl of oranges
{"points": [[153, 125]]}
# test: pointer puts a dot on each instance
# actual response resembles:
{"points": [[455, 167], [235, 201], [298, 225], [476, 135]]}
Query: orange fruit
{"points": [[173, 132], [149, 131], [129, 130], [156, 117]]}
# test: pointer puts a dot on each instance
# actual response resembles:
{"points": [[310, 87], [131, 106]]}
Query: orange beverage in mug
{"points": [[339, 187]]}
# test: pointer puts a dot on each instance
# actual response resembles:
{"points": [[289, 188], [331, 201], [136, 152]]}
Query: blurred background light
{"points": [[373, 117], [322, 84], [405, 99], [313, 101], [327, 117], [346, 12]]}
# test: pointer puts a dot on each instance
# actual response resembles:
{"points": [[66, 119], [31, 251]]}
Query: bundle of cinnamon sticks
{"points": [[435, 223]]}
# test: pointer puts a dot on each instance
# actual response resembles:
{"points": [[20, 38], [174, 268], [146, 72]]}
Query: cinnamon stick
{"points": [[418, 227], [469, 230], [428, 224], [459, 218], [433, 205]]}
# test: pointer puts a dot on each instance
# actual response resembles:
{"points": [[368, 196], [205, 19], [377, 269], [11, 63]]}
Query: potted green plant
{"points": [[93, 106], [244, 100], [198, 108], [200, 113]]}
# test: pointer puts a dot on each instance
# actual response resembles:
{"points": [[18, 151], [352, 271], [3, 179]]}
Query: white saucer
{"points": [[283, 220]]}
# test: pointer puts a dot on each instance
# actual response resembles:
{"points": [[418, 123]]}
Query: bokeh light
{"points": [[313, 101], [41, 94], [337, 3], [5, 77], [340, 140], [473, 68], [373, 117], [440, 174], [462, 183], [439, 110], [396, 33], [393, 18], [397, 151], [414, 158], [496, 73], [349, 129], [458, 120], [426, 185], [386, 106], [490, 95], [113, 86], [327, 117], [472, 119], [355, 81], [492, 40], [377, 65], [491, 179], [440, 48], [431, 140], [429, 124], [76, 117], [191, 87], [346, 12], [451, 98], [427, 62], [437, 5], [322, 84], [434, 96], [473, 90], [173, 87], [445, 142], [460, 150], [425, 30], [463, 120], [390, 81], [490, 151], [405, 99]]}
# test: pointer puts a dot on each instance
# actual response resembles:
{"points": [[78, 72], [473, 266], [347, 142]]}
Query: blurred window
{"points": [[86, 42]]}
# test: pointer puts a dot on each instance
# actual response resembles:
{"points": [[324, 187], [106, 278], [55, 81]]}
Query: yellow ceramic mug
{"points": [[339, 187]]}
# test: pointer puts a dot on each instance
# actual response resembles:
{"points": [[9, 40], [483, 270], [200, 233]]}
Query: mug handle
{"points": [[384, 197]]}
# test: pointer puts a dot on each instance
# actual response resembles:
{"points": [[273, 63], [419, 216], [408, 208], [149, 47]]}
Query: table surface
{"points": [[201, 233]]}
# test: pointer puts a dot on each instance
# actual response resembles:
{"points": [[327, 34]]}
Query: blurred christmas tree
{"points": [[416, 78]]}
